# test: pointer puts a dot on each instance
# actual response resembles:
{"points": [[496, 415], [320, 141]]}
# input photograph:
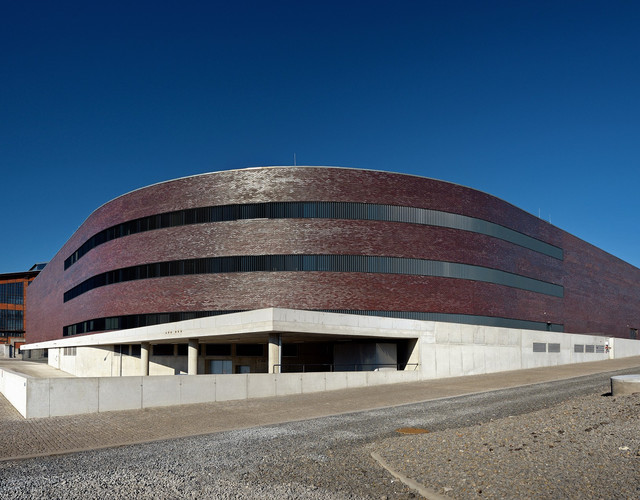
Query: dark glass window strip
{"points": [[217, 350], [315, 210], [11, 320], [252, 350], [12, 334], [137, 320], [328, 263], [134, 321], [12, 293], [163, 350]]}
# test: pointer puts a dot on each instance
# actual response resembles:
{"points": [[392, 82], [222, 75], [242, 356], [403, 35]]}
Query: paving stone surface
{"points": [[54, 435], [330, 457]]}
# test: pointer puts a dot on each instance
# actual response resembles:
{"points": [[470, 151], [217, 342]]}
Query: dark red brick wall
{"points": [[602, 293]]}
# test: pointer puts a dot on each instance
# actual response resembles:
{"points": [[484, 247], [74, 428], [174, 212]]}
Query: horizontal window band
{"points": [[135, 321], [139, 320], [314, 210], [310, 263]]}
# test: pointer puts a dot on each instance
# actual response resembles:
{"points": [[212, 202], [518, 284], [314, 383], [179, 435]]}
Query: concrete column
{"points": [[144, 358], [275, 352], [610, 343], [193, 357]]}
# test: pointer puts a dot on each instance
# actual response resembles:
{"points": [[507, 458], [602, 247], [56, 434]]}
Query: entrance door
{"points": [[220, 366]]}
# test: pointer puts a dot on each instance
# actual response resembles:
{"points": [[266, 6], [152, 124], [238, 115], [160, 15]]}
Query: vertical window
{"points": [[11, 320], [220, 366], [12, 293]]}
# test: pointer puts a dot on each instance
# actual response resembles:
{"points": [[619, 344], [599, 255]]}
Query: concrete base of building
{"points": [[114, 378]]}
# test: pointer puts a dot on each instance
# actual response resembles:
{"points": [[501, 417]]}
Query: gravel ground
{"points": [[516, 443], [587, 447]]}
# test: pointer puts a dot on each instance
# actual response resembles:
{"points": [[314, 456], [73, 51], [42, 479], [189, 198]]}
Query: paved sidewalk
{"points": [[37, 369], [37, 437]]}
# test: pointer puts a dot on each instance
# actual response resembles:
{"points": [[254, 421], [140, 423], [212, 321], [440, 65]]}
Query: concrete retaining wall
{"points": [[14, 388], [36, 398], [443, 350], [622, 348], [454, 350]]}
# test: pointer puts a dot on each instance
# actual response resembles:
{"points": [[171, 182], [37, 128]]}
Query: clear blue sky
{"points": [[535, 102]]}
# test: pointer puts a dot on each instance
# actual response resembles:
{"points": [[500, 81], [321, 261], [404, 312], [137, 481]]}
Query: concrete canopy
{"points": [[253, 326]]}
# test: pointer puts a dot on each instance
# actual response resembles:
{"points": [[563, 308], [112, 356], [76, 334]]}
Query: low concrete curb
{"points": [[625, 384], [414, 485]]}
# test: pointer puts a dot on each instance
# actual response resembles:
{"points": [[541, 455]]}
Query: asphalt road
{"points": [[327, 457]]}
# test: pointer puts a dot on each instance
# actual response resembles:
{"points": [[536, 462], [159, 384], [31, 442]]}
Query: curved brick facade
{"points": [[600, 293]]}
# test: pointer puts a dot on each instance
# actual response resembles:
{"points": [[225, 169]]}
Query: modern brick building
{"points": [[348, 241]]}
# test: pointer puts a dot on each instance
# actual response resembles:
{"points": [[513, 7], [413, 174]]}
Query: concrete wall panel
{"points": [[67, 362], [14, 388], [428, 361], [72, 396], [313, 382], [443, 360], [261, 385], [288, 383], [160, 391], [38, 392], [97, 362], [623, 348], [197, 389], [491, 355], [455, 360], [53, 358], [230, 387], [356, 379], [122, 393], [384, 377], [336, 381], [478, 335]]}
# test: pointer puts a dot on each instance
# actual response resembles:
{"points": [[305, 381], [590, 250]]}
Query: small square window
{"points": [[553, 348], [539, 347]]}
